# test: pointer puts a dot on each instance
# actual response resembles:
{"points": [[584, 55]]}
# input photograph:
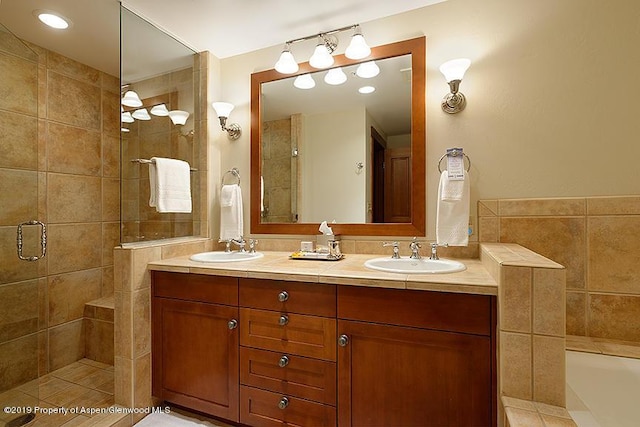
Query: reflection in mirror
{"points": [[332, 166], [331, 152], [161, 71]]}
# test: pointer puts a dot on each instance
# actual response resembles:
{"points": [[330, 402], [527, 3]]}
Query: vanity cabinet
{"points": [[276, 353], [287, 353], [195, 342], [414, 358]]}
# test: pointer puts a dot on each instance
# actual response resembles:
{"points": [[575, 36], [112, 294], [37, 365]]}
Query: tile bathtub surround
{"points": [[596, 238], [64, 158]]}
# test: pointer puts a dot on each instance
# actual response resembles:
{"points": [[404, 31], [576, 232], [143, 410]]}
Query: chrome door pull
{"points": [[43, 240]]}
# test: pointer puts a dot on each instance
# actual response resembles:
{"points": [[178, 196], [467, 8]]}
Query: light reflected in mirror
{"points": [[334, 153]]}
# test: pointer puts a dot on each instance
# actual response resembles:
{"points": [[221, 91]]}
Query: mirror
{"points": [[298, 150]]}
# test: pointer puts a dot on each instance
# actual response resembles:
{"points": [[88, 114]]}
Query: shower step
{"points": [[98, 327]]}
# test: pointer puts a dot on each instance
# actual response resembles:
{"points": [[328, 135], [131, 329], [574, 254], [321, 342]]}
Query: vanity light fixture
{"points": [[52, 19], [223, 109], [126, 117], [131, 99], [335, 76], [141, 114], [322, 55], [159, 110], [178, 117], [367, 70], [453, 71], [304, 81]]}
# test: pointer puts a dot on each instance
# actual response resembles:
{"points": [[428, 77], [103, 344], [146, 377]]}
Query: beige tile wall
{"points": [[596, 238], [59, 137], [276, 155]]}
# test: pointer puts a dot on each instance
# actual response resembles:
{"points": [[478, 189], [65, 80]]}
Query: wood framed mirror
{"points": [[399, 209]]}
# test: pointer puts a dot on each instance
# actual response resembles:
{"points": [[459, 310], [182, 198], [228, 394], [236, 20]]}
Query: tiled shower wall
{"points": [[596, 238], [59, 139], [277, 161]]}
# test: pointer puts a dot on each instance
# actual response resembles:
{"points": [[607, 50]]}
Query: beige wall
{"points": [[546, 113]]}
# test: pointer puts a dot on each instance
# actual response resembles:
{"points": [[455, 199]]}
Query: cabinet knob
{"points": [[284, 361], [284, 402], [283, 296], [343, 340], [233, 323], [284, 319]]}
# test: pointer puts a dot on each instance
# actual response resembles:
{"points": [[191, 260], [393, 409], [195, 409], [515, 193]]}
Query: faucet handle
{"points": [[252, 245], [396, 249]]}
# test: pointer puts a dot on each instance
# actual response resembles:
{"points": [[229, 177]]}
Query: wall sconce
{"points": [[453, 71], [131, 99], [327, 43], [223, 109], [178, 117]]}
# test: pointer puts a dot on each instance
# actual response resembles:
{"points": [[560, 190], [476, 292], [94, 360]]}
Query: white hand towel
{"points": [[170, 185], [231, 223], [452, 217]]}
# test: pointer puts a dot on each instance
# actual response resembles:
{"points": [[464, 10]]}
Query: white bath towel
{"points": [[452, 217], [170, 185], [231, 224]]}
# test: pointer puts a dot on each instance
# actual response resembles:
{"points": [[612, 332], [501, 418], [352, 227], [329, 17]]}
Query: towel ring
{"points": [[235, 172], [455, 153]]}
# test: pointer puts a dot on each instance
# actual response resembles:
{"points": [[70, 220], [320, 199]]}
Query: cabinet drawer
{"points": [[431, 310], [264, 408], [289, 374], [195, 287], [302, 335], [294, 297]]}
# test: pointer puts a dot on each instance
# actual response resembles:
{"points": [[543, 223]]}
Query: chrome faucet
{"points": [[240, 242], [252, 245], [434, 249], [415, 246], [396, 250]]}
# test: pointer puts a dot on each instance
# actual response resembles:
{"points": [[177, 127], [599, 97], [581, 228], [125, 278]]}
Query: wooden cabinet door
{"points": [[195, 356], [399, 376]]}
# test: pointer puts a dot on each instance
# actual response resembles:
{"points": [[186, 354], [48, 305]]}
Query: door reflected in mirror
{"points": [[351, 152]]}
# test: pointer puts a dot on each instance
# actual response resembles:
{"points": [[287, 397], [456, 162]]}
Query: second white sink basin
{"points": [[407, 265], [221, 256]]}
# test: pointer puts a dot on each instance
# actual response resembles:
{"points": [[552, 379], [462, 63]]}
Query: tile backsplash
{"points": [[596, 238]]}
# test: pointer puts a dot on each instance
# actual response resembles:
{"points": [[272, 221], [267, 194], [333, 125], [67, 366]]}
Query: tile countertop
{"points": [[348, 271]]}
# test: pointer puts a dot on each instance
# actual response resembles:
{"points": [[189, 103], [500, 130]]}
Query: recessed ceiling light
{"points": [[52, 19], [367, 89]]}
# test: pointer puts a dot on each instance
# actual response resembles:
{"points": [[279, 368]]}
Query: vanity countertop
{"points": [[348, 271]]}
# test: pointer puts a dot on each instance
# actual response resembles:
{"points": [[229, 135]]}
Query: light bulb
{"points": [[367, 70], [335, 76], [321, 57], [52, 19], [358, 48], [304, 81], [366, 89], [455, 69]]}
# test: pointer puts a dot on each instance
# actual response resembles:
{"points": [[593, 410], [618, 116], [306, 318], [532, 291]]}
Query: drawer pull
{"points": [[284, 361], [284, 319], [343, 340], [284, 402], [283, 296], [233, 323]]}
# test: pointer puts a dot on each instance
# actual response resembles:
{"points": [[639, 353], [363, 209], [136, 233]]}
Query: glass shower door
{"points": [[22, 237]]}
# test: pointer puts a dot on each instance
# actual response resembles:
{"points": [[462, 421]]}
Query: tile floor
{"points": [[603, 390], [82, 384]]}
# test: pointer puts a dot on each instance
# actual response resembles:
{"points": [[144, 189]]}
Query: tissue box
{"points": [[322, 242]]}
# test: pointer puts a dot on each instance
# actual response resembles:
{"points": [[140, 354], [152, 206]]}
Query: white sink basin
{"points": [[221, 256], [414, 266]]}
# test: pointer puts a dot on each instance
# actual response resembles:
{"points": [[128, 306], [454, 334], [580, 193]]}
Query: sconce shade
{"points": [[321, 57], [159, 110], [304, 81], [223, 109], [335, 76], [141, 114], [286, 64], [126, 117], [455, 69], [367, 70], [358, 48], [131, 99], [178, 117]]}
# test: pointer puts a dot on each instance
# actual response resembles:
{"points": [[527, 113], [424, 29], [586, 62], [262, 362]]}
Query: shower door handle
{"points": [[43, 240]]}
